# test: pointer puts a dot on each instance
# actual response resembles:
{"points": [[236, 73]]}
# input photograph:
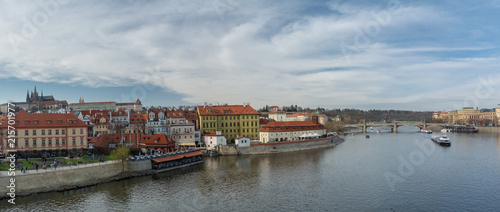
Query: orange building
{"points": [[46, 131]]}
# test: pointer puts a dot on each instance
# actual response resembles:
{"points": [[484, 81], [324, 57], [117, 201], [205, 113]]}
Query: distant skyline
{"points": [[404, 55]]}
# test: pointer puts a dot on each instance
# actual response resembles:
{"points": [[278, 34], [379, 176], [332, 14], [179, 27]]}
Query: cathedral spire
{"points": [[27, 95], [35, 90]]}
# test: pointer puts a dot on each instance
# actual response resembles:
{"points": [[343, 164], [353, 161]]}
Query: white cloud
{"points": [[235, 53]]}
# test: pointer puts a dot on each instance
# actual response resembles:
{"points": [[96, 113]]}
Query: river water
{"points": [[386, 172]]}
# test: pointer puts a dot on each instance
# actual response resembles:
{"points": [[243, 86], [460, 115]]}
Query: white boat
{"points": [[426, 130], [445, 130], [442, 140]]}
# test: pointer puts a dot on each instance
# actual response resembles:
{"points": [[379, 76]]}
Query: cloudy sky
{"points": [[414, 55]]}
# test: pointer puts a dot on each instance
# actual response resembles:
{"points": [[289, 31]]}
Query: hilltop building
{"points": [[36, 102]]}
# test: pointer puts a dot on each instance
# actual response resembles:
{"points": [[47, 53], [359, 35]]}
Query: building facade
{"points": [[231, 120], [46, 131], [213, 139], [290, 130]]}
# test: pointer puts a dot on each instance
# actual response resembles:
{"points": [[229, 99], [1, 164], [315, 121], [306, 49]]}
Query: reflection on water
{"points": [[348, 177]]}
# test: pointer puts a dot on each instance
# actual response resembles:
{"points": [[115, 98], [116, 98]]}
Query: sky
{"points": [[405, 55]]}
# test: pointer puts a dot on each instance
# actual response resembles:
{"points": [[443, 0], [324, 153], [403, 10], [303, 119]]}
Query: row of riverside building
{"points": [[95, 125], [470, 115]]}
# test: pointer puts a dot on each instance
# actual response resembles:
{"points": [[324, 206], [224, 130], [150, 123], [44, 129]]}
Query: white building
{"points": [[242, 141], [290, 130], [277, 115], [213, 139]]}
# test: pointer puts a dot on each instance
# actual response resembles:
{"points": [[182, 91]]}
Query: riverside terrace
{"points": [[45, 165]]}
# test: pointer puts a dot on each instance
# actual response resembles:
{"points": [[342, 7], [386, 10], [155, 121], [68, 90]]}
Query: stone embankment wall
{"points": [[488, 129], [280, 147], [72, 178]]}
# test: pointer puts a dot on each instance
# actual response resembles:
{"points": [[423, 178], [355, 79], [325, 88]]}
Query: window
{"points": [[26, 122], [81, 141], [34, 142], [63, 132], [35, 122], [43, 142], [34, 132], [57, 132], [81, 131], [26, 132], [43, 132], [59, 121], [63, 141], [57, 142], [74, 141], [26, 143], [50, 142], [74, 131], [50, 132], [49, 121]]}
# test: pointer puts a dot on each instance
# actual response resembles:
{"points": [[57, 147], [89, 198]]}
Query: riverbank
{"points": [[494, 130], [66, 179], [279, 147]]}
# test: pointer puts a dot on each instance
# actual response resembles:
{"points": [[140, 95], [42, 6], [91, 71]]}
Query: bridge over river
{"points": [[394, 125]]}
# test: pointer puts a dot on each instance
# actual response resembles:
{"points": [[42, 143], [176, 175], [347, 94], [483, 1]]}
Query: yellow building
{"points": [[231, 120], [468, 115]]}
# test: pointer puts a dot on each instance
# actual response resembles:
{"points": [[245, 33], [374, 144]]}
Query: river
{"points": [[386, 172]]}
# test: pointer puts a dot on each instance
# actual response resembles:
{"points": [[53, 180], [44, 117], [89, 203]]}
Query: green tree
{"points": [[121, 153], [335, 126]]}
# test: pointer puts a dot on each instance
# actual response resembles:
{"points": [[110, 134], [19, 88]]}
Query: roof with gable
{"points": [[222, 110], [156, 140], [46, 120], [120, 112], [286, 126], [138, 118]]}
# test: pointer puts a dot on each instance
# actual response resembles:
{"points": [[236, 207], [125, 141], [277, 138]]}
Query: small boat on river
{"points": [[442, 140]]}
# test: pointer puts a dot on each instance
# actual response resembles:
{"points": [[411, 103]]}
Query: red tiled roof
{"points": [[157, 140], [277, 110], [138, 118], [211, 133], [120, 112], [176, 157], [47, 120], [264, 121], [286, 126], [92, 139], [105, 139], [92, 103], [226, 110], [92, 113]]}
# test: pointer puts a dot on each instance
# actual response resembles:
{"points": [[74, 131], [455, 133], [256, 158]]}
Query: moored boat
{"points": [[441, 140], [426, 130]]}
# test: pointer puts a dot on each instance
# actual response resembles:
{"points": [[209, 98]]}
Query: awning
{"points": [[303, 136], [187, 144]]}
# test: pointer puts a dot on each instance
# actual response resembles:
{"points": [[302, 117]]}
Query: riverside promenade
{"points": [[53, 169]]}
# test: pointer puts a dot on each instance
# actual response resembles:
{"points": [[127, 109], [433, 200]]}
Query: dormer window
{"points": [[35, 122], [59, 121], [26, 122], [49, 121]]}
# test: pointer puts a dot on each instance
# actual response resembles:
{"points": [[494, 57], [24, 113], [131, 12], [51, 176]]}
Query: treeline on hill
{"points": [[354, 116]]}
